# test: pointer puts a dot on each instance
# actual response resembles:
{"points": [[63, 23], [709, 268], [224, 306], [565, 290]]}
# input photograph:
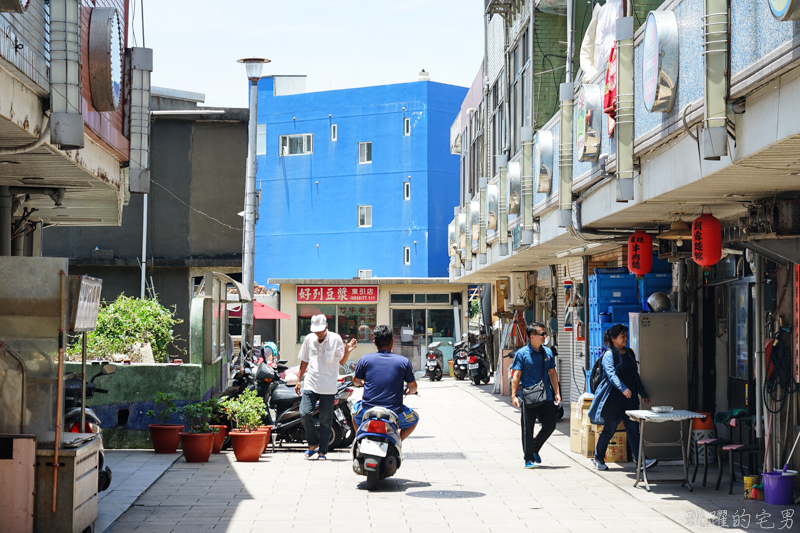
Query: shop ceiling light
{"points": [[678, 231]]}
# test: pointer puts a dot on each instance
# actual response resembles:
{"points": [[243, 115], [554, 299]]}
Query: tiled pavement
{"points": [[283, 492]]}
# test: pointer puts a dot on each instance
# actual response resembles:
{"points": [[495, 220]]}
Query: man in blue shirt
{"points": [[528, 364], [384, 376]]}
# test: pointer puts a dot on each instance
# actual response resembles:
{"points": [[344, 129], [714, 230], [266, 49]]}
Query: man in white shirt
{"points": [[321, 354]]}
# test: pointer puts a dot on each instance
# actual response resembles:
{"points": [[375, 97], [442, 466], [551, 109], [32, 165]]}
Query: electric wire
{"points": [[194, 208], [779, 385]]}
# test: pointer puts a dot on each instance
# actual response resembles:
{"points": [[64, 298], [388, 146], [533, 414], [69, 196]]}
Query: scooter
{"points": [[378, 450], [478, 367], [72, 417], [434, 361], [460, 360]]}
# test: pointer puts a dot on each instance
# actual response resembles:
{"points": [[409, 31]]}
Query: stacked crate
{"points": [[610, 291], [658, 280]]}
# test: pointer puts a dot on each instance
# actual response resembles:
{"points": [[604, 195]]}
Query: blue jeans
{"points": [[307, 404], [631, 428]]}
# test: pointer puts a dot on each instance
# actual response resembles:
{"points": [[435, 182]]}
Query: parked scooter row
{"points": [[470, 363]]}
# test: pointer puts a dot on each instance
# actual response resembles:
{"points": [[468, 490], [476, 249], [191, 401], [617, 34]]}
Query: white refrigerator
{"points": [[659, 341]]}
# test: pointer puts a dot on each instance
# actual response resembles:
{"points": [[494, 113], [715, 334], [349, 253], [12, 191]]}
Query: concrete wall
{"points": [[312, 199]]}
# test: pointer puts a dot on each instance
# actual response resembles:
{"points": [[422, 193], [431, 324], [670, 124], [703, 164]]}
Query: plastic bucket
{"points": [[707, 422], [778, 488]]}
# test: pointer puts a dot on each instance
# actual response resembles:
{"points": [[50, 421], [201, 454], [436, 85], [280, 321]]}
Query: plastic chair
{"points": [[732, 448]]}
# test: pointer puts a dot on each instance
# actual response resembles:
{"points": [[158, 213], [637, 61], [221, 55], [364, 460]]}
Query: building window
{"points": [[406, 255], [350, 321], [406, 127], [420, 298], [407, 191], [296, 144], [261, 139], [365, 216], [333, 132], [364, 153]]}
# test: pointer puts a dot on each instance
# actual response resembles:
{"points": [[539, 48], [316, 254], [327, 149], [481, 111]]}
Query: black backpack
{"points": [[597, 371]]}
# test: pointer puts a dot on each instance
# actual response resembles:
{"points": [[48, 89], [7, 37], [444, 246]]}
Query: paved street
{"points": [[479, 432]]}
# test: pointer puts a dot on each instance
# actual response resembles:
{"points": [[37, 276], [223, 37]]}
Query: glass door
{"points": [[409, 328]]}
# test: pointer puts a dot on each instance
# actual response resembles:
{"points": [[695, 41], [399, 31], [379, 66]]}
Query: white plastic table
{"points": [[643, 416]]}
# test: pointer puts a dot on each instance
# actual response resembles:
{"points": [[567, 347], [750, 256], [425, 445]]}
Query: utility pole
{"points": [[254, 65]]}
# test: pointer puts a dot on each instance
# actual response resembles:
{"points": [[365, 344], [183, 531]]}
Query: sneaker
{"points": [[309, 454], [530, 464], [649, 463], [601, 465], [536, 458]]}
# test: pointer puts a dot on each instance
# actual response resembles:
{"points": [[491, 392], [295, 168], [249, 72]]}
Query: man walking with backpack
{"points": [[534, 368]]}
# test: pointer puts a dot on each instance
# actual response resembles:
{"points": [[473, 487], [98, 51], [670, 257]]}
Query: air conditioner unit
{"points": [[517, 289], [364, 274]]}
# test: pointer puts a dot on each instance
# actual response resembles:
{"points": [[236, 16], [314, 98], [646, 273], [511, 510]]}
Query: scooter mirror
{"points": [[108, 369], [464, 335]]}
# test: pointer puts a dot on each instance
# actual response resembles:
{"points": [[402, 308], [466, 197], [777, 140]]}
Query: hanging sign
{"points": [[785, 9], [588, 123], [543, 161], [660, 62], [330, 293]]}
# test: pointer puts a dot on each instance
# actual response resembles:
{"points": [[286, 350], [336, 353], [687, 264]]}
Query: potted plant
{"points": [[219, 421], [198, 441], [246, 412], [164, 435]]}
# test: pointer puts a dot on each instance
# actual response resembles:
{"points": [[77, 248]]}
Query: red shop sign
{"points": [[328, 293]]}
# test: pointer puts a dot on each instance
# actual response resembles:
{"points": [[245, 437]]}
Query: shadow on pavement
{"points": [[395, 485]]}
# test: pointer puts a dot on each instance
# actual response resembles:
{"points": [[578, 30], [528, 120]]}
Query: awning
{"points": [[260, 312]]}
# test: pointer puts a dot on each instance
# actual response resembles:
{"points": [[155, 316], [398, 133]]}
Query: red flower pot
{"points": [[165, 437], [219, 438], [196, 446], [247, 446], [268, 431]]}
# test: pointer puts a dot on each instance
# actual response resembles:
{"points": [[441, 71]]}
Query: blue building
{"points": [[355, 180]]}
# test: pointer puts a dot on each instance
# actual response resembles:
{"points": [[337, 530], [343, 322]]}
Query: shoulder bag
{"points": [[536, 395]]}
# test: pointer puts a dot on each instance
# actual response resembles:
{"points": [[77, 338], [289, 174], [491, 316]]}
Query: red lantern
{"points": [[706, 240], [640, 253]]}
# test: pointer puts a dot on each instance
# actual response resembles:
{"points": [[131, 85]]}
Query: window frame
{"points": [[308, 144], [367, 216], [261, 139], [407, 127], [406, 255], [365, 162], [406, 190], [334, 132]]}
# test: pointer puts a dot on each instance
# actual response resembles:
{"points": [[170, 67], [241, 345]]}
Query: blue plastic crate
{"points": [[619, 312], [653, 282], [661, 266], [608, 289]]}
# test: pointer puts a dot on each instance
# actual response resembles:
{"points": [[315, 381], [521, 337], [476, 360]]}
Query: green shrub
{"points": [[163, 407], [246, 410], [126, 321], [197, 416]]}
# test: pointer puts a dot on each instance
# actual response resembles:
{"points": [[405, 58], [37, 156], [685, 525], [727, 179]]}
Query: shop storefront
{"points": [[419, 311]]}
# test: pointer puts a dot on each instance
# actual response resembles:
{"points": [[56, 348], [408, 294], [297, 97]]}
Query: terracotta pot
{"points": [[268, 431], [247, 446], [219, 438], [165, 437], [196, 446]]}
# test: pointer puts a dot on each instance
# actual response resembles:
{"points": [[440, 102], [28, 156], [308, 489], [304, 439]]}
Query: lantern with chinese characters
{"points": [[640, 253], [706, 240]]}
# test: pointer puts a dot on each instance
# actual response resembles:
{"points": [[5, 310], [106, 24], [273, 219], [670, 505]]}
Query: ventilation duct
{"points": [[566, 94], [66, 120], [715, 51], [482, 222], [139, 65], [502, 226], [625, 109], [527, 186], [492, 207]]}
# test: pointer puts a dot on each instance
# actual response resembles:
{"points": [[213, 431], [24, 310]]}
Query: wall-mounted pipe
{"points": [[43, 138], [483, 182], [56, 193], [526, 135], [715, 49], [565, 147], [625, 109]]}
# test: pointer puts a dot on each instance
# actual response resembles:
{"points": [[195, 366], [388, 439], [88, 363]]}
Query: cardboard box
{"points": [[577, 420], [617, 451], [588, 440]]}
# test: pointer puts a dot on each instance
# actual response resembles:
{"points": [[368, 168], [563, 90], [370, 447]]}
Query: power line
{"points": [[193, 208]]}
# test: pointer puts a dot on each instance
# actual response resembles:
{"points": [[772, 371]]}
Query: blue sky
{"points": [[337, 44]]}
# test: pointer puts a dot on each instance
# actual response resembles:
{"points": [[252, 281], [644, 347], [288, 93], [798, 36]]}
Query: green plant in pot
{"points": [[164, 435], [198, 441], [218, 421], [246, 412]]}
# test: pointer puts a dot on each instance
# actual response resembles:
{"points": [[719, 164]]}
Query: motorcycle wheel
{"points": [[372, 480], [336, 436], [432, 377], [486, 380], [476, 380], [439, 375]]}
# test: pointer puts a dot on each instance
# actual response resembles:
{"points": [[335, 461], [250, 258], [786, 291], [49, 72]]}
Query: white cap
{"points": [[318, 323]]}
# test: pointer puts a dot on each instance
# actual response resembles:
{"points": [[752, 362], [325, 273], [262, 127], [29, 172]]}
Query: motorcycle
{"points": [[72, 417], [378, 450], [434, 361], [477, 364], [460, 360]]}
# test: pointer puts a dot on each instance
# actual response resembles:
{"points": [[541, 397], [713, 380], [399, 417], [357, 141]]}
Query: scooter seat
{"points": [[284, 395], [381, 413]]}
